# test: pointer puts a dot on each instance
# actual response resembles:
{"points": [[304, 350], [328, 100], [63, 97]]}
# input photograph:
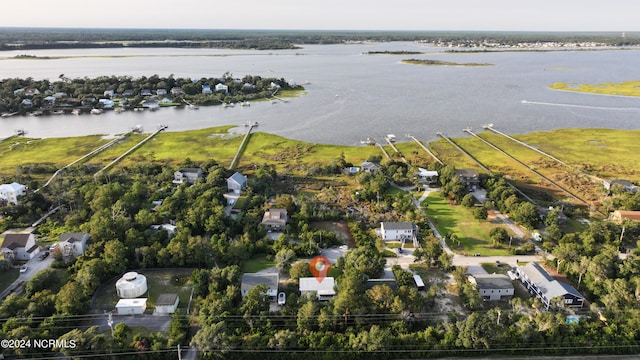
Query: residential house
{"points": [[19, 246], [249, 281], [493, 287], [11, 192], [169, 228], [222, 87], [106, 103], [109, 93], [146, 92], [391, 231], [128, 93], [206, 90], [177, 91], [49, 102], [188, 175], [26, 103], [236, 183], [275, 219], [161, 92], [274, 86], [31, 92], [427, 176], [622, 184], [324, 289], [73, 244], [620, 215], [469, 178], [541, 285], [370, 167], [151, 104]]}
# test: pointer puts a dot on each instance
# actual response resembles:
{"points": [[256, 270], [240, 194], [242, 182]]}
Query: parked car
{"points": [[43, 255], [24, 268], [53, 247], [282, 298]]}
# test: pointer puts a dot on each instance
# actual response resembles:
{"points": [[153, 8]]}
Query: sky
{"points": [[475, 15]]}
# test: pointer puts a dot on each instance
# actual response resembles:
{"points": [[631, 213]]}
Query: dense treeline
{"points": [[33, 38]]}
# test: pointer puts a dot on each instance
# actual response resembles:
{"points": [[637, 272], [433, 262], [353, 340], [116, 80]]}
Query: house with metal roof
{"points": [[236, 182], [323, 288], [543, 286]]}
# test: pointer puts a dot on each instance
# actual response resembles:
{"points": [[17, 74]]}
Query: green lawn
{"points": [[257, 263], [456, 219]]}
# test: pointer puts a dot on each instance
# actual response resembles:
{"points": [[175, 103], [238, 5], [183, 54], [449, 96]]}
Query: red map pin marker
{"points": [[319, 267]]}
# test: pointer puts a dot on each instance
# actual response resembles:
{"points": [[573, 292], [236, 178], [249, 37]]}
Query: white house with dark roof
{"points": [[188, 175], [236, 182], [390, 231], [493, 287], [251, 280], [11, 192], [543, 286], [19, 246], [73, 244]]}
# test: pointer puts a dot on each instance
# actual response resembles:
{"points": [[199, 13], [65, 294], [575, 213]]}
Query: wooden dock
{"points": [[244, 142], [426, 149]]}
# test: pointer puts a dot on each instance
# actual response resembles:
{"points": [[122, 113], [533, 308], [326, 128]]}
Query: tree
{"points": [[498, 235], [283, 259], [71, 300], [255, 305], [480, 213], [299, 270], [468, 201]]}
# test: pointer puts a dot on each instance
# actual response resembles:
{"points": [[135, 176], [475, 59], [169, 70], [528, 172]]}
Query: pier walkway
{"points": [[132, 149], [426, 149], [236, 157], [92, 153], [553, 183]]}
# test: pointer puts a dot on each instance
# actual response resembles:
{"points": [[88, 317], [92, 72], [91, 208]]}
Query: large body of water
{"points": [[352, 96]]}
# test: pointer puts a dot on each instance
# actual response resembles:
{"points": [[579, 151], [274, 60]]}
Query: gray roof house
{"points": [[469, 178], [541, 285], [251, 280], [19, 246], [73, 244], [236, 183], [188, 175], [493, 286], [275, 219], [370, 167]]}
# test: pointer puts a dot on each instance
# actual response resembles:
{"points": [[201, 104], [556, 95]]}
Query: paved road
{"points": [[34, 265]]}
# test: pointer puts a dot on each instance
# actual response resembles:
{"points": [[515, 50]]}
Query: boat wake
{"points": [[580, 106]]}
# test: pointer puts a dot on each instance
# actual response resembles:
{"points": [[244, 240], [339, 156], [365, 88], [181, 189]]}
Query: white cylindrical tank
{"points": [[131, 285]]}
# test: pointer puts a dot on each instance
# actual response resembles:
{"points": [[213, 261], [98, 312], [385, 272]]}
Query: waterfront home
{"points": [[206, 90], [251, 280], [177, 91], [222, 87], [146, 92], [469, 178], [106, 103], [109, 93], [275, 219], [323, 289], [151, 104], [127, 93], [541, 285], [26, 104], [370, 167], [493, 287], [73, 244], [427, 176], [19, 246], [236, 182], [161, 92], [11, 192], [188, 175]]}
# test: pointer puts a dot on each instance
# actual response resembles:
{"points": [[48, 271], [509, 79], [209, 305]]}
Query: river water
{"points": [[351, 95]]}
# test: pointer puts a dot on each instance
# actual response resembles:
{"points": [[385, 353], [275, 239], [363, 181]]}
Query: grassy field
{"points": [[627, 88], [456, 219], [7, 278]]}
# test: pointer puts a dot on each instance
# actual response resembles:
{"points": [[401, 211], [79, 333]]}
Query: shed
{"points": [[131, 306], [167, 304]]}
